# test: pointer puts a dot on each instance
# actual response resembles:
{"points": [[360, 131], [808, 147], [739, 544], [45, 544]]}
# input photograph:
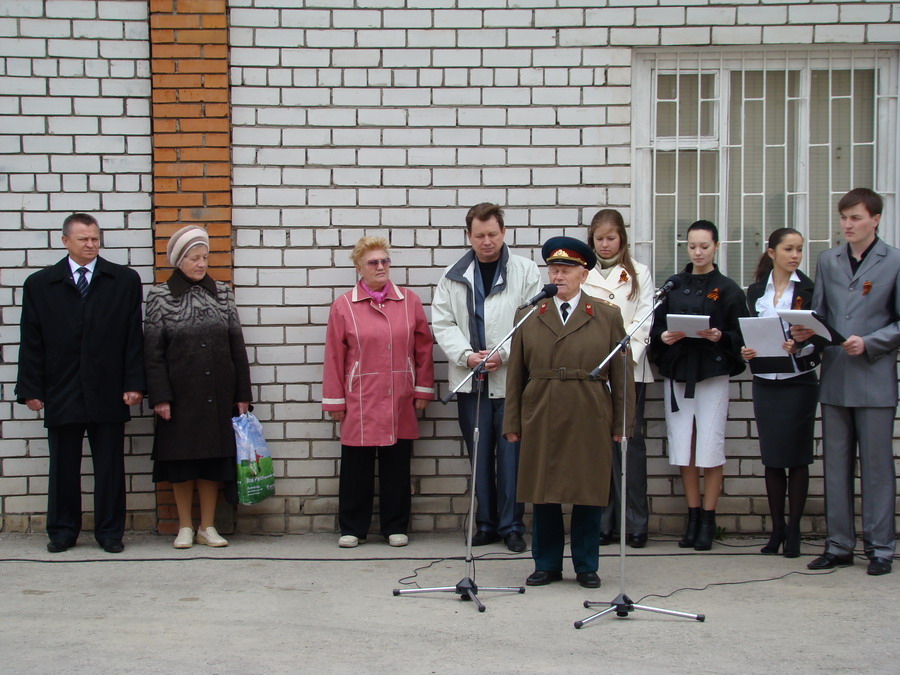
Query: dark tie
{"points": [[564, 308], [82, 284]]}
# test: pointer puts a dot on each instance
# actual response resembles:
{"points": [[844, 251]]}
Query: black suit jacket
{"points": [[78, 355], [803, 293]]}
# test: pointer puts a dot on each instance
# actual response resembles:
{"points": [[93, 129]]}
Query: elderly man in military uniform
{"points": [[567, 420]]}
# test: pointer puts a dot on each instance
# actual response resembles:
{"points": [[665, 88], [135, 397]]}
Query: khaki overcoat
{"points": [[566, 420]]}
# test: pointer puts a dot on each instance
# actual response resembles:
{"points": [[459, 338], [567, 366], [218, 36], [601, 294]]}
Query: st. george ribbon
{"points": [[547, 291], [671, 284]]}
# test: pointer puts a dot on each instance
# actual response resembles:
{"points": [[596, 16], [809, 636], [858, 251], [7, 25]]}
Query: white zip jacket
{"points": [[453, 305]]}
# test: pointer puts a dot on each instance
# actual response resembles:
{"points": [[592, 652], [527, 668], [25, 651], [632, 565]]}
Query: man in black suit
{"points": [[81, 362]]}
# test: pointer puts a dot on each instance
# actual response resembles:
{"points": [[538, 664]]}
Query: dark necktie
{"points": [[82, 284], [564, 308]]}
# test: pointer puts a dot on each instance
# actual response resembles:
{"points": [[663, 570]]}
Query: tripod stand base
{"points": [[466, 589], [622, 605]]}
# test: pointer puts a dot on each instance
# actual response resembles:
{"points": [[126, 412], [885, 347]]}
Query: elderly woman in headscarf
{"points": [[197, 378]]}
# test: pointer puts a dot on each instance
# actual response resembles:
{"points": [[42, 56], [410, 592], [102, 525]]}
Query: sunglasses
{"points": [[378, 261]]}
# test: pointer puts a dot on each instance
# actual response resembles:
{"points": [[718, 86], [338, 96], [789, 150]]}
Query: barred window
{"points": [[755, 141]]}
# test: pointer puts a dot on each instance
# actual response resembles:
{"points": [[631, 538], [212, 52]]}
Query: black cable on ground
{"points": [[735, 583]]}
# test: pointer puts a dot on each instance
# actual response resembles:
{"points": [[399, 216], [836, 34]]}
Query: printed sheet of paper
{"points": [[806, 318], [763, 334], [688, 324]]}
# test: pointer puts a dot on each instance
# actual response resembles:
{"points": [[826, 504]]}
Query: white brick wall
{"points": [[357, 117], [74, 95], [436, 108]]}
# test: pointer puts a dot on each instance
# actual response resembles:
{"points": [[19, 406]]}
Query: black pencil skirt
{"points": [[785, 418]]}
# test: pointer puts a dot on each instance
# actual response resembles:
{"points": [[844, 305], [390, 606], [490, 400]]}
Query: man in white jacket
{"points": [[474, 306]]}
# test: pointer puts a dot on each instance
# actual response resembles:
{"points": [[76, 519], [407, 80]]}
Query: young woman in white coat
{"points": [[626, 283]]}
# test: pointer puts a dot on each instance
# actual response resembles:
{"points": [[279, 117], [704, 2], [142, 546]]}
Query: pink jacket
{"points": [[377, 360]]}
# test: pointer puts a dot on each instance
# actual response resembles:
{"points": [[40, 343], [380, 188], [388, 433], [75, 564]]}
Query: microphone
{"points": [[671, 284], [547, 291]]}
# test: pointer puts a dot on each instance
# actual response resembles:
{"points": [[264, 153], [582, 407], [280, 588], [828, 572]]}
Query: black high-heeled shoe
{"points": [[792, 542], [776, 540]]}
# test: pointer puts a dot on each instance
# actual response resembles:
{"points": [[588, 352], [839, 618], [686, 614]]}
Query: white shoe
{"points": [[398, 540], [349, 541], [209, 537], [185, 538]]}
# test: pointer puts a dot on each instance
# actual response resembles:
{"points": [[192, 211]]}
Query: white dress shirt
{"points": [[573, 303], [74, 266]]}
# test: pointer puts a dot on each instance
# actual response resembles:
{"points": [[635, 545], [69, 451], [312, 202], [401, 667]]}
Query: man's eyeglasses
{"points": [[378, 261]]}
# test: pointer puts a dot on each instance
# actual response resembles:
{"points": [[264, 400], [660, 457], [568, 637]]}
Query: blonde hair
{"points": [[366, 244]]}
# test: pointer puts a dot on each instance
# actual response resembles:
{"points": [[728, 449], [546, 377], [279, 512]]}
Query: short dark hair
{"points": [[868, 198], [83, 218], [484, 211], [706, 225]]}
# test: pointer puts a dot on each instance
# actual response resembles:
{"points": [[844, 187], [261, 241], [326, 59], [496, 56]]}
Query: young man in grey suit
{"points": [[858, 294]]}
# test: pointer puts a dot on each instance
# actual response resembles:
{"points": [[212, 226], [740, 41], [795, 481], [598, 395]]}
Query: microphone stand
{"points": [[466, 588], [622, 605]]}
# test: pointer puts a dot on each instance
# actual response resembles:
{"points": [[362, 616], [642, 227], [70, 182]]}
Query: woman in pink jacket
{"points": [[378, 372]]}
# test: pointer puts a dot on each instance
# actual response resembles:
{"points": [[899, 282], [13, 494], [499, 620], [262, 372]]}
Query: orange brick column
{"points": [[191, 142]]}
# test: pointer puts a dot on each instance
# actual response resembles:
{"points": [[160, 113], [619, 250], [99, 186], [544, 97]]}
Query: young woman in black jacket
{"points": [[784, 403], [697, 369]]}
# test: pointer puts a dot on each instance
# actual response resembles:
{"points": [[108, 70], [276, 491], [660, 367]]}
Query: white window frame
{"points": [[646, 64]]}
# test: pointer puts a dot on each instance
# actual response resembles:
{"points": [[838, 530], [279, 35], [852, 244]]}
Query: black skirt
{"points": [[178, 471], [785, 418]]}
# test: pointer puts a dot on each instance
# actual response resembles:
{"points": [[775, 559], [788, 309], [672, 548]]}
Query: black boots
{"points": [[690, 534], [706, 532]]}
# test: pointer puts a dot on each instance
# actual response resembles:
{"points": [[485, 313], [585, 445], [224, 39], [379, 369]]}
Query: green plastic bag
{"points": [[255, 477]]}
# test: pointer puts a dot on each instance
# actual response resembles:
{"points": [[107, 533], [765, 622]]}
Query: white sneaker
{"points": [[210, 537], [398, 540], [185, 538], [349, 541]]}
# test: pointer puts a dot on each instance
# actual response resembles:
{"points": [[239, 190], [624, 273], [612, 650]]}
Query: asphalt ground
{"points": [[298, 603]]}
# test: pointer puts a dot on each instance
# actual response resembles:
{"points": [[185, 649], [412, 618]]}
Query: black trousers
{"points": [[548, 537], [64, 490], [356, 492], [637, 507]]}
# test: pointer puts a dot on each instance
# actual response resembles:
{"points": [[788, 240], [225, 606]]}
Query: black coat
{"points": [[802, 299], [78, 355], [197, 362], [693, 360]]}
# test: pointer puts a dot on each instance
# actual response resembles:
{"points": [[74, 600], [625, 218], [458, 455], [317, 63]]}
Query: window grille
{"points": [[755, 141]]}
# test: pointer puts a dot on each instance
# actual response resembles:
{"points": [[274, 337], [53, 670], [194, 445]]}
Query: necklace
{"points": [[780, 291]]}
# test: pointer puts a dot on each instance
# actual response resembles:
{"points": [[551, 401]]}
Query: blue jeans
{"points": [[497, 468]]}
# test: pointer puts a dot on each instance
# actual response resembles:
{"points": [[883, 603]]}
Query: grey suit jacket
{"points": [[866, 304]]}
